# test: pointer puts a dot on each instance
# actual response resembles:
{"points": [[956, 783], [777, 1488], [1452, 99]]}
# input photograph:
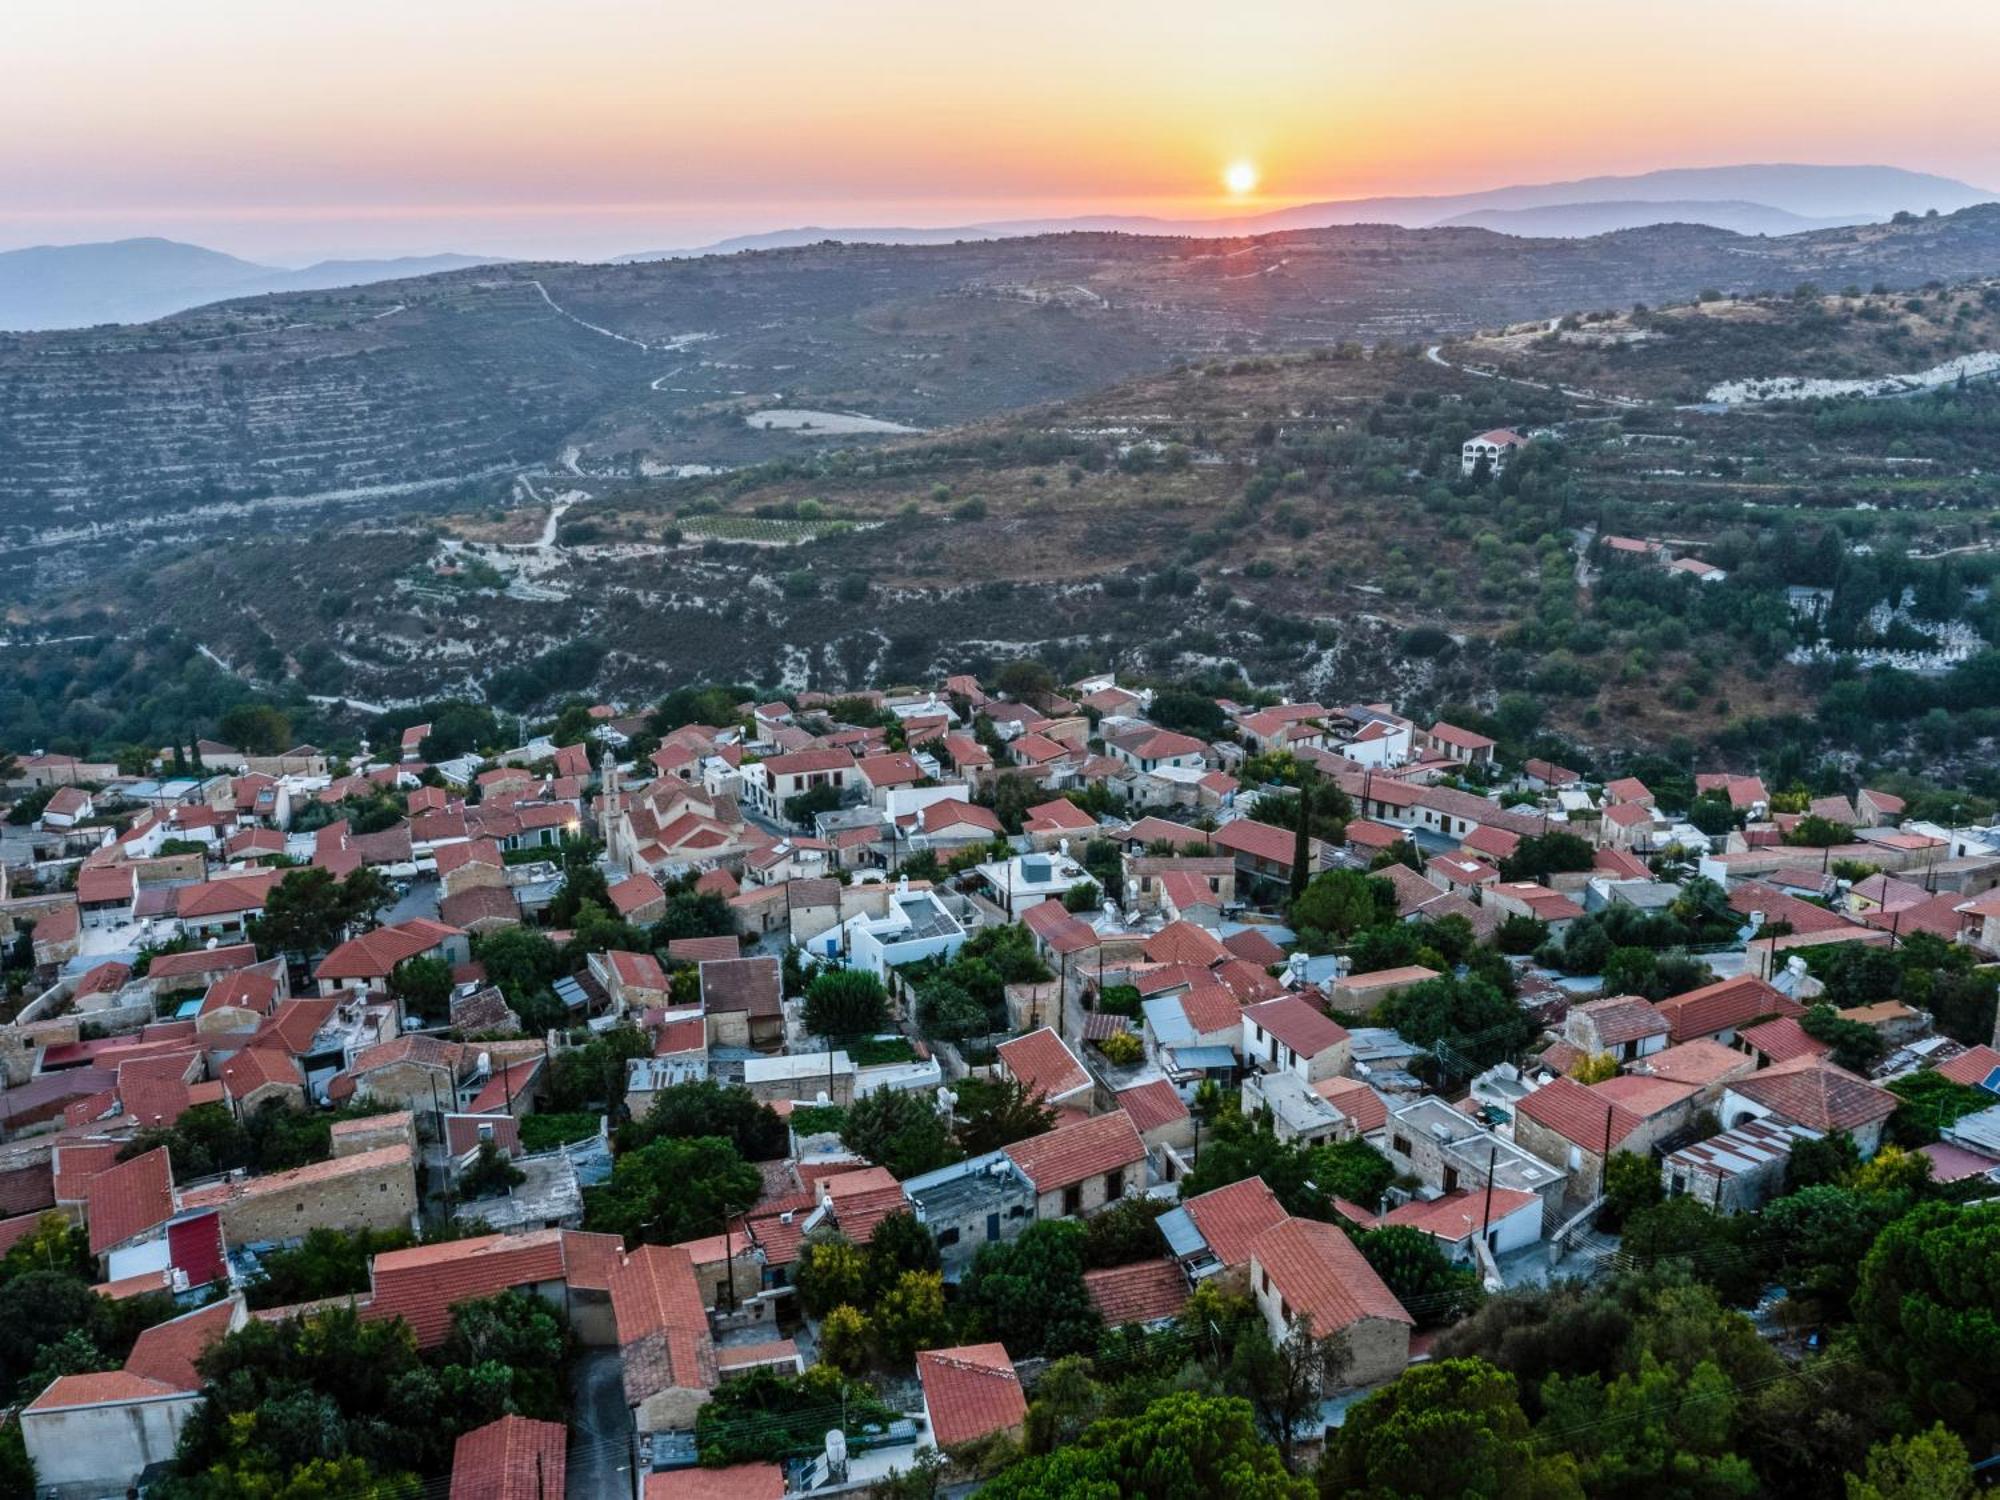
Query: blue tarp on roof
{"points": [[1168, 1020], [1177, 1226], [1208, 1059]]}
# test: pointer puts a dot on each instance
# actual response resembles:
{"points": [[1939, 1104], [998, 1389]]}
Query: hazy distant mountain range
{"points": [[138, 280], [135, 281], [1776, 199]]}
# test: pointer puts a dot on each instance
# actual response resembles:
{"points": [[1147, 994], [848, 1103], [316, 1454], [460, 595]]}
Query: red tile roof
{"points": [[1812, 1092], [127, 1199], [421, 1285], [1293, 1021], [663, 1336], [1701, 1062], [1322, 1274], [1148, 1292], [201, 961], [1780, 906], [1578, 1115], [1185, 943], [700, 950], [1970, 1067], [515, 1458], [375, 954], [1055, 925], [1061, 815], [1355, 1099], [1253, 946], [1071, 1153], [1456, 1216], [1044, 1065], [254, 1067], [1231, 1218], [970, 1392], [1211, 1008], [167, 1351], [1725, 1005], [1258, 840], [1151, 1105], [1645, 1096], [1623, 1018], [109, 1387], [1783, 1039], [735, 1482]]}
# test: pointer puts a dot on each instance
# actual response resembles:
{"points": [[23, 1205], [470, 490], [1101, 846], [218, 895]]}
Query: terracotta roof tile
{"points": [[105, 1388], [515, 1458], [1812, 1092], [970, 1392], [1147, 1292], [1151, 1105], [1231, 1218], [127, 1199], [167, 1351], [1297, 1024], [1044, 1065], [1578, 1115], [735, 1482], [1456, 1216], [1723, 1006], [1070, 1153], [1324, 1276]]}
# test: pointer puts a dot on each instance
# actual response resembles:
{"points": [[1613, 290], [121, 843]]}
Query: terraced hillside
{"points": [[447, 381], [1298, 518]]}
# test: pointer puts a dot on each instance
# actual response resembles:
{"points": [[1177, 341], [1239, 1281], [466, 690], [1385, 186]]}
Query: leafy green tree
{"points": [[205, 1140], [672, 1190], [1924, 1311], [1286, 1378], [310, 910], [1825, 1159], [1127, 1231], [1815, 1239], [1680, 1231], [1856, 1045], [765, 1417], [911, 1316], [996, 1112], [692, 913], [490, 1175], [1652, 1430], [326, 1263], [832, 1272], [594, 1073], [707, 1108], [845, 1338], [1924, 1466], [256, 729], [1545, 854], [949, 1011], [845, 1003], [1414, 1266], [899, 1245], [1451, 1427], [1183, 1446], [899, 1131], [1631, 1182], [521, 962], [1030, 1292], [424, 986], [523, 1333], [1337, 904], [1469, 1022]]}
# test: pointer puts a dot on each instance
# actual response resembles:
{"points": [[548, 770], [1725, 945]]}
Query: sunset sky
{"points": [[294, 129]]}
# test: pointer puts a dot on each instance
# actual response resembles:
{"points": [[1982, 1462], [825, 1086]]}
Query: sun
{"points": [[1240, 177]]}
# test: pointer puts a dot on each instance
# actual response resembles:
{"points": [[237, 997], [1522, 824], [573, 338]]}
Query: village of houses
{"points": [[139, 898]]}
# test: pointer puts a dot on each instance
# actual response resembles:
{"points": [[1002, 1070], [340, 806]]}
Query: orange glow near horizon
{"points": [[385, 124]]}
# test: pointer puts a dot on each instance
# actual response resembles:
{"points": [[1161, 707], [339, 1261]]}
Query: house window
{"points": [[1400, 1145], [1114, 1185], [1267, 1281], [1284, 1311], [1073, 1199], [948, 1236], [1451, 1179]]}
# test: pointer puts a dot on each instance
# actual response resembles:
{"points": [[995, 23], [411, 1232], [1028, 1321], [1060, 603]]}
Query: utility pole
{"points": [[1492, 1159]]}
